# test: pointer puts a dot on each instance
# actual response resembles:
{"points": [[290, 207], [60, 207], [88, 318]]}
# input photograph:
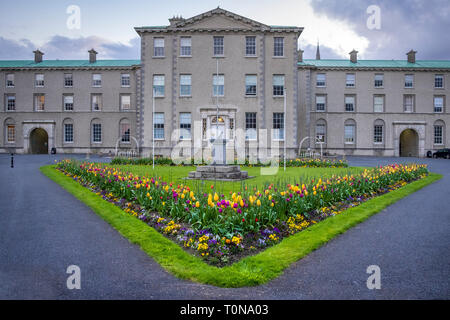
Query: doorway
{"points": [[39, 141], [409, 143]]}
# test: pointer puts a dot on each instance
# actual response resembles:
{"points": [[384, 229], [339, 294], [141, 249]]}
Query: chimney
{"points": [[92, 56], [175, 19], [300, 55], [411, 56], [38, 56], [354, 56]]}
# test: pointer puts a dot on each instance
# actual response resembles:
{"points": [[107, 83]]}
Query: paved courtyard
{"points": [[43, 230]]}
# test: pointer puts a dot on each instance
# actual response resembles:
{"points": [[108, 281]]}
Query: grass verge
{"points": [[250, 271]]}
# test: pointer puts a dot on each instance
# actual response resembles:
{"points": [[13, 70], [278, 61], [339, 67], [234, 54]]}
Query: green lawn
{"points": [[249, 271], [292, 175]]}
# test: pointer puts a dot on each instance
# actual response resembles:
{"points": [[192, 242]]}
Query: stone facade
{"points": [[245, 61]]}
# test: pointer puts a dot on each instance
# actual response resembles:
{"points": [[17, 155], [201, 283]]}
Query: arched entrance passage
{"points": [[409, 143], [39, 141]]}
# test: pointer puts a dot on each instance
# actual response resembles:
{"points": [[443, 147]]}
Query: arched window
{"points": [[321, 131], [439, 132], [96, 131], [378, 131], [350, 131], [10, 131], [125, 130], [68, 133]]}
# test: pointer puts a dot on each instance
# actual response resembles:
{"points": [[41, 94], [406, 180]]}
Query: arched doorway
{"points": [[409, 143], [39, 141]]}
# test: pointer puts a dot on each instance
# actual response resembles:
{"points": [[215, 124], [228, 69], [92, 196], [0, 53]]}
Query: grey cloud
{"points": [[325, 52], [60, 47], [405, 24], [11, 49]]}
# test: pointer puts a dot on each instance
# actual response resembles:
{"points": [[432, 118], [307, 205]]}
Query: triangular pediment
{"points": [[220, 19]]}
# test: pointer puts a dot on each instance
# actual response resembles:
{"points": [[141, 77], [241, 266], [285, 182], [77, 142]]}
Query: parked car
{"points": [[442, 153]]}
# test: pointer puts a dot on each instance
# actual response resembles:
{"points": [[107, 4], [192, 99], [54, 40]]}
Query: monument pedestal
{"points": [[219, 172]]}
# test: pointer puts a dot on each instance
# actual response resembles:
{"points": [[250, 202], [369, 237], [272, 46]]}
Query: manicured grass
{"points": [[280, 178], [250, 271]]}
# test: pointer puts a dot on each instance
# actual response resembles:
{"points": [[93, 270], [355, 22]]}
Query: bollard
{"points": [[12, 160]]}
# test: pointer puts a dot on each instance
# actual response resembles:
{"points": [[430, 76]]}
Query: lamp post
{"points": [[153, 132], [284, 127]]}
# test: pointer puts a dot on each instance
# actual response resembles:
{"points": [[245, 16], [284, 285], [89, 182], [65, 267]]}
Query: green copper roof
{"points": [[67, 63], [341, 63]]}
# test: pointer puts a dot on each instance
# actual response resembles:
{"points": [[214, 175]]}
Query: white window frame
{"points": [[321, 83], [218, 85], [441, 76], [7, 100], [71, 134], [441, 129], [185, 85], [37, 105], [218, 46], [251, 81], [185, 50], [96, 80], [377, 78], [278, 134], [8, 133], [350, 83], [250, 46], [347, 139], [159, 86], [66, 103], [158, 47], [185, 126], [99, 127], [9, 82], [251, 126], [158, 125], [441, 106], [124, 136], [375, 104], [405, 99], [278, 47], [278, 85], [377, 134], [39, 80], [409, 79], [353, 103], [123, 106], [68, 79], [99, 103], [324, 102], [124, 82]]}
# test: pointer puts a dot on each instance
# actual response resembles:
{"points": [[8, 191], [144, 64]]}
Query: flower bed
{"points": [[303, 162], [223, 229]]}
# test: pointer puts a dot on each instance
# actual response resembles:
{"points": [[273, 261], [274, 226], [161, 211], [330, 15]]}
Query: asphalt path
{"points": [[44, 229]]}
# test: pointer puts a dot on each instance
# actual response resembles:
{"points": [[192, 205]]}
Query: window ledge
{"points": [[250, 56], [279, 57], [220, 57], [158, 57], [185, 56], [251, 96]]}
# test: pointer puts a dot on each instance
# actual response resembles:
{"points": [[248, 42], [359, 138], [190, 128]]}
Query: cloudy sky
{"points": [[378, 29]]}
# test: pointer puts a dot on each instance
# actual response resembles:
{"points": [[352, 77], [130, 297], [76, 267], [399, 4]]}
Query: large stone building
{"points": [[219, 74]]}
